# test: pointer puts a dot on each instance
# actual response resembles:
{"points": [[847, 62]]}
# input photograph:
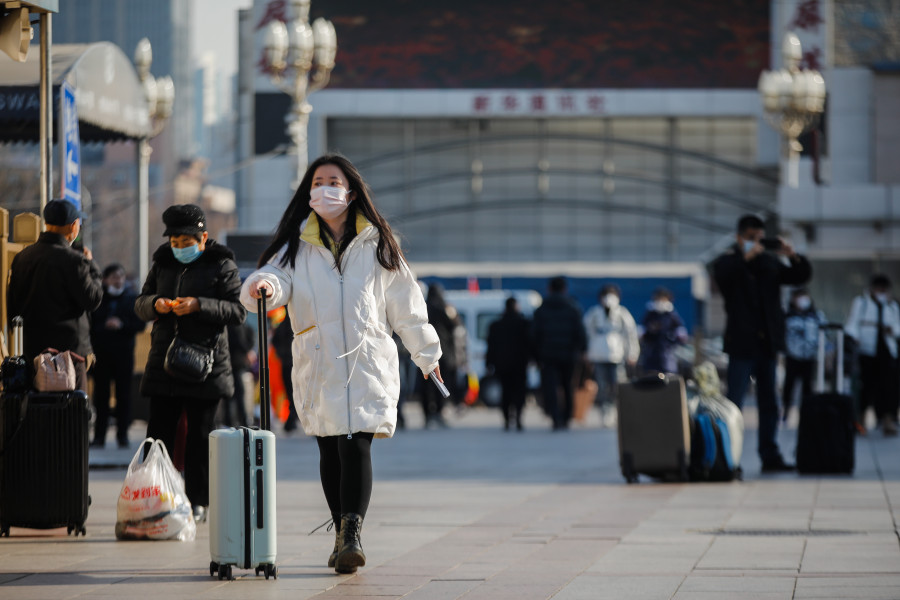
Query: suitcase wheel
{"points": [[78, 529], [4, 530], [271, 570], [213, 568], [225, 573], [628, 471]]}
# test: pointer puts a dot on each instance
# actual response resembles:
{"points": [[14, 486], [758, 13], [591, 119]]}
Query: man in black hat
{"points": [[54, 288]]}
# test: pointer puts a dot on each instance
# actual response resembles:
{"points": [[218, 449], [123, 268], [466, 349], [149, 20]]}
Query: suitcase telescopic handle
{"points": [[824, 328], [264, 400], [18, 324]]}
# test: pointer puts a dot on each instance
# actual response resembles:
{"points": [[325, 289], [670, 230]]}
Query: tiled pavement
{"points": [[473, 513]]}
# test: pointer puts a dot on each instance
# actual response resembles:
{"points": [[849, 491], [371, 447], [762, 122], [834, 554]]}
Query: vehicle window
{"points": [[484, 323]]}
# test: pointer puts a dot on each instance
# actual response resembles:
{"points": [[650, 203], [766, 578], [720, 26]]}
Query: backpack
{"points": [[711, 455]]}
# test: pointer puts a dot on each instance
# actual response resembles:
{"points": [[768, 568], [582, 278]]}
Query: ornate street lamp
{"points": [[300, 59], [794, 100], [160, 93]]}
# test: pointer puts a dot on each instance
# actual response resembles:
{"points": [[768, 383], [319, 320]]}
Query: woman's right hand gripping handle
{"points": [[256, 286]]}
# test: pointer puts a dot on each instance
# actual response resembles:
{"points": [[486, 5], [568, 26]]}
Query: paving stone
{"points": [[472, 513]]}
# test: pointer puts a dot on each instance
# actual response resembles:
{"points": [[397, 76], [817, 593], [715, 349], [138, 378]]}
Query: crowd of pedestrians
{"points": [[192, 289]]}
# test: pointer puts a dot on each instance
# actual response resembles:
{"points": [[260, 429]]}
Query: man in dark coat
{"points": [[113, 329], [559, 340], [508, 353], [54, 288], [193, 288], [445, 321], [750, 278]]}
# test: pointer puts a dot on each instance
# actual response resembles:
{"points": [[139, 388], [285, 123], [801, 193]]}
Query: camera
{"points": [[771, 243]]}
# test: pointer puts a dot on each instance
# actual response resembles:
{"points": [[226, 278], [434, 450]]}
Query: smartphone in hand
{"points": [[445, 393]]}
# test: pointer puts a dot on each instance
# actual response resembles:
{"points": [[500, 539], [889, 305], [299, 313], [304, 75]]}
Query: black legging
{"points": [[345, 467]]}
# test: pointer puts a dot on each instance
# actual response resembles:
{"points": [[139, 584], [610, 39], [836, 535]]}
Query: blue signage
{"points": [[70, 149]]}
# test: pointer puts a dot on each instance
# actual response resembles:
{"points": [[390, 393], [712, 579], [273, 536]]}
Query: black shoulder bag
{"points": [[188, 361]]}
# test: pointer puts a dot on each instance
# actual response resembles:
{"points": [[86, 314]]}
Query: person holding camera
{"points": [[749, 276]]}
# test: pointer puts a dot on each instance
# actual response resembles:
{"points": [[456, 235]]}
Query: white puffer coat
{"points": [[345, 373]]}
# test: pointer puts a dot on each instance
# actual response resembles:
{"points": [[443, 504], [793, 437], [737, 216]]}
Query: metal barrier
{"points": [[26, 228]]}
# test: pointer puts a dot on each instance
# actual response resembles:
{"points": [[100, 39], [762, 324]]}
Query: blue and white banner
{"points": [[70, 148]]}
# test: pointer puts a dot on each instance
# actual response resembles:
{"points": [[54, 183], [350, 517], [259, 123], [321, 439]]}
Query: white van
{"points": [[479, 309]]}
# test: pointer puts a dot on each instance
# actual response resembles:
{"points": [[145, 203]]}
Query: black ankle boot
{"points": [[337, 542], [350, 554]]}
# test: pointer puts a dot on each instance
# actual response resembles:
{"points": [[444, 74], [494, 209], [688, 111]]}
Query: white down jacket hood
{"points": [[345, 373]]}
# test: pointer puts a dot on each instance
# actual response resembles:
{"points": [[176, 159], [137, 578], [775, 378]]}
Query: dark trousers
{"points": [[235, 405], [556, 376], [796, 372], [512, 400], [879, 381], [607, 377], [763, 368], [293, 418], [345, 468], [113, 368], [165, 411]]}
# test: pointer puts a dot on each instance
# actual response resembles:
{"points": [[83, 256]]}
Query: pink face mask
{"points": [[328, 201]]}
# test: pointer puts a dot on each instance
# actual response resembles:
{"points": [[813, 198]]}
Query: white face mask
{"points": [[663, 306], [115, 291], [748, 245], [610, 301], [328, 201], [803, 302], [882, 298]]}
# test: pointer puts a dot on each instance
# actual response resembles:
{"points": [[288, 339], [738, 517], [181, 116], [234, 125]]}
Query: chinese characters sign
{"points": [[532, 103]]}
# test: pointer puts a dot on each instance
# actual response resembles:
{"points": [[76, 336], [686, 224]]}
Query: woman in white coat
{"points": [[336, 265]]}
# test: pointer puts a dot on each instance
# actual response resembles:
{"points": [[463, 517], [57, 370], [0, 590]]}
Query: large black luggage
{"points": [[44, 460], [654, 428], [826, 437]]}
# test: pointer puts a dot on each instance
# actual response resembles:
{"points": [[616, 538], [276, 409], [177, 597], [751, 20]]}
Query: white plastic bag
{"points": [[711, 400], [153, 504]]}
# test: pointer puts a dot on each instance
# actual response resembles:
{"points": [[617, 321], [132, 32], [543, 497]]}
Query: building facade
{"points": [[586, 132]]}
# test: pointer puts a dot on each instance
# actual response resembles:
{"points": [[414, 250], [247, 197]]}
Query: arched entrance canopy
{"points": [[110, 100]]}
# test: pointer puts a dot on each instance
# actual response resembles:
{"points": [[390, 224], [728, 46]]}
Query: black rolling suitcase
{"points": [[43, 458], [44, 465], [826, 437], [654, 428]]}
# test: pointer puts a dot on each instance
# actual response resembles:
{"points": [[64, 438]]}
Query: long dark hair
{"points": [[288, 231]]}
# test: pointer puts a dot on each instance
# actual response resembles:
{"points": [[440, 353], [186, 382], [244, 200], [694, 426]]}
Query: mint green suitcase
{"points": [[242, 522]]}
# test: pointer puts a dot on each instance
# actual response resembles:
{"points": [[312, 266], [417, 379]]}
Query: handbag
{"points": [[188, 361], [56, 371]]}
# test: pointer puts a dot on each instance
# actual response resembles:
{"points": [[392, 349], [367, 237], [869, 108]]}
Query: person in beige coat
{"points": [[336, 266]]}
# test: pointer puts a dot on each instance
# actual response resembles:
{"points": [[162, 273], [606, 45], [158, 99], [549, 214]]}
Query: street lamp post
{"points": [[160, 93], [300, 59], [793, 100]]}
